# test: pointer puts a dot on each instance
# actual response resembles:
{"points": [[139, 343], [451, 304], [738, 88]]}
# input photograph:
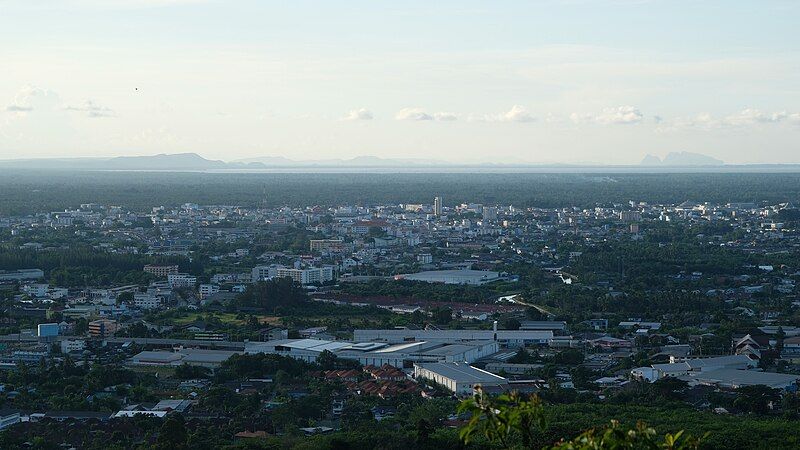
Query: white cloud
{"points": [[748, 117], [517, 113], [359, 114], [412, 114], [751, 116], [417, 114], [32, 98], [621, 115], [92, 109], [445, 116]]}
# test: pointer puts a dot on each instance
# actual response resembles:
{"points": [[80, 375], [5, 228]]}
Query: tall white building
{"points": [[437, 206]]}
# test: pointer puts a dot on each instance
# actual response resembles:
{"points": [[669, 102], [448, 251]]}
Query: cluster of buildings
{"points": [[469, 245]]}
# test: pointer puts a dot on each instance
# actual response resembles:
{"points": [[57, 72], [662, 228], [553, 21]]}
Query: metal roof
{"points": [[462, 373]]}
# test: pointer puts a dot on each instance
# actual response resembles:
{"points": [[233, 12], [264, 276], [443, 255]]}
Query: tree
{"points": [[327, 360], [442, 316], [501, 419], [534, 314], [172, 434], [189, 372], [619, 438], [569, 357], [125, 298], [511, 323], [356, 414], [757, 399], [497, 418]]}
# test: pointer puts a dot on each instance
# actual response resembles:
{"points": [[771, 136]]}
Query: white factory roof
{"points": [[407, 346], [720, 361], [452, 276], [125, 413], [486, 335], [314, 345], [189, 355], [462, 372], [158, 357], [738, 378], [206, 356]]}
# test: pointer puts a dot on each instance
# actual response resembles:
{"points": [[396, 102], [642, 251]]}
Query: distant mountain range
{"points": [[177, 161], [194, 162], [681, 159]]}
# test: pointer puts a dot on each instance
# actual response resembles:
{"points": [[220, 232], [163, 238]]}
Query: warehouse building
{"points": [[506, 338], [459, 378], [465, 276], [734, 379], [190, 356], [401, 355]]}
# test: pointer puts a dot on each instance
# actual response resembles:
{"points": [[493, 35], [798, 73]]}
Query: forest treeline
{"points": [[26, 191]]}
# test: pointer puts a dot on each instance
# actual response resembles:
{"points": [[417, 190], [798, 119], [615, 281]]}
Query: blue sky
{"points": [[604, 81]]}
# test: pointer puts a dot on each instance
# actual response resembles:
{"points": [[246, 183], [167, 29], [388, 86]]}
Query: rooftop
{"points": [[462, 372]]}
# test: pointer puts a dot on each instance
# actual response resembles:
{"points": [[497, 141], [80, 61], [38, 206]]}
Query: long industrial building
{"points": [[506, 338], [401, 355], [465, 276], [459, 378]]}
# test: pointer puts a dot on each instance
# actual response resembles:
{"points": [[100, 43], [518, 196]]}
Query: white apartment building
{"points": [[261, 273], [181, 280], [425, 258], [313, 275], [72, 345], [208, 289], [146, 301], [38, 290], [160, 271]]}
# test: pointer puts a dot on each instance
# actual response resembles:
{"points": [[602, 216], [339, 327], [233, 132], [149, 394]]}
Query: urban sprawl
{"points": [[312, 320]]}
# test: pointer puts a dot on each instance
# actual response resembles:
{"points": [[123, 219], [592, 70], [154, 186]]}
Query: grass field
{"points": [[225, 318]]}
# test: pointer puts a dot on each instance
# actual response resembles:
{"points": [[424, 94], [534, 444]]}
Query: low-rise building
{"points": [[312, 275], [161, 271], [190, 356], [468, 277], [176, 280], [8, 417], [73, 345], [21, 274], [508, 338], [459, 378], [103, 328], [207, 290]]}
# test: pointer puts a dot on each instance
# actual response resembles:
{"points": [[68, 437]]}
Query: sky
{"points": [[536, 81]]}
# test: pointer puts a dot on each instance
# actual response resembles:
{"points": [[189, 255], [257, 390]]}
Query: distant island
{"points": [[680, 159]]}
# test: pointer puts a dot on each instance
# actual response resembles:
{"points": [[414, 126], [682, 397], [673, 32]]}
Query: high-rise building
{"points": [[437, 206]]}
